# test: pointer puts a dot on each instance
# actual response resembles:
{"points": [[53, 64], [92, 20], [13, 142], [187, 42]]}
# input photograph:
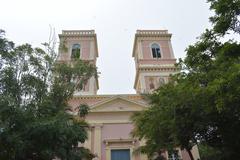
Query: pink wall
{"points": [[85, 49], [154, 80], [185, 155], [86, 86], [63, 56], [165, 50], [114, 131]]}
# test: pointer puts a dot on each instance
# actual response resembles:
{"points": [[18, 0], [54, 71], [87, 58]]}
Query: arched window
{"points": [[156, 53], [75, 51]]}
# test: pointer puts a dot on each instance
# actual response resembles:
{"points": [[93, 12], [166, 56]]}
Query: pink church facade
{"points": [[109, 135]]}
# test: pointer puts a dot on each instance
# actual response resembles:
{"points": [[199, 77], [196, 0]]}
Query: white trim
{"points": [[156, 65], [91, 85], [97, 140], [92, 51], [107, 141], [95, 105], [88, 142], [143, 83], [82, 93], [108, 149], [157, 74], [71, 43], [171, 49], [140, 49]]}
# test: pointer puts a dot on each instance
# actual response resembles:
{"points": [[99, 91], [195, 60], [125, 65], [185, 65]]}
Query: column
{"points": [[88, 142], [97, 140]]}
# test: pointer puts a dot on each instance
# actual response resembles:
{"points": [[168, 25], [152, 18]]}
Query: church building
{"points": [[109, 117]]}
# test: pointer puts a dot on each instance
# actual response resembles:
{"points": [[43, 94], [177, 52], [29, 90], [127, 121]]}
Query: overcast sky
{"points": [[115, 22]]}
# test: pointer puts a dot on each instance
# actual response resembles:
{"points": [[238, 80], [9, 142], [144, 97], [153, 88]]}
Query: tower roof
{"points": [[77, 33], [80, 33], [89, 51], [149, 33]]}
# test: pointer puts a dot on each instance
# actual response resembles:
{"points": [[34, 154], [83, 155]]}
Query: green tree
{"points": [[202, 103], [226, 16], [208, 153], [170, 122], [83, 110], [34, 95]]}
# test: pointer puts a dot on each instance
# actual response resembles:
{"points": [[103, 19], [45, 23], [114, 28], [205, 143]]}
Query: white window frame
{"points": [[150, 47], [114, 144], [71, 47]]}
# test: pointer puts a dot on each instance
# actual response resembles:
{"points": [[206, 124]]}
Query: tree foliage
{"points": [[209, 153], [202, 103], [227, 15], [34, 95]]}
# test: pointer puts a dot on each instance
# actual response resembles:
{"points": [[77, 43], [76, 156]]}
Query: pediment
{"points": [[117, 104]]}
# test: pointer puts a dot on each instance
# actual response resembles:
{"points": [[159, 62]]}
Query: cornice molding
{"points": [[172, 69], [131, 96]]}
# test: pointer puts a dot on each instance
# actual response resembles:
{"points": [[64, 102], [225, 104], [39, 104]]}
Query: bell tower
{"points": [[83, 45], [154, 59]]}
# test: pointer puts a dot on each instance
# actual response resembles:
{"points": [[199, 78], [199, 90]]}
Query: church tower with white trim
{"points": [[154, 59], [83, 45]]}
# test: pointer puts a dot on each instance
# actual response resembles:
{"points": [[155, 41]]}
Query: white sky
{"points": [[115, 22]]}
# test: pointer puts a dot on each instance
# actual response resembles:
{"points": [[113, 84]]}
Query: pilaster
{"points": [[97, 140]]}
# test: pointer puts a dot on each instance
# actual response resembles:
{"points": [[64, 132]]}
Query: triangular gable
{"points": [[117, 104]]}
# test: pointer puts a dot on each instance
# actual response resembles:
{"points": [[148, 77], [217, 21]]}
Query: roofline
{"points": [[81, 33], [116, 97], [105, 96]]}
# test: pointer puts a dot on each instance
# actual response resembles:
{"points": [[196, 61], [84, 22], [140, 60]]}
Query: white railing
{"points": [[152, 32], [78, 32]]}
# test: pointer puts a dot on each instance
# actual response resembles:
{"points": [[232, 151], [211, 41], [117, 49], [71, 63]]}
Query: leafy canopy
{"points": [[202, 103], [34, 95]]}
